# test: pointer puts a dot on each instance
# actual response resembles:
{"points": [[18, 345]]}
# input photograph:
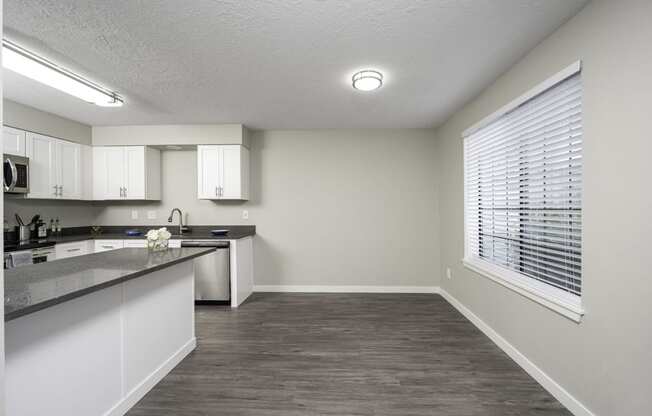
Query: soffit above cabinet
{"points": [[171, 134]]}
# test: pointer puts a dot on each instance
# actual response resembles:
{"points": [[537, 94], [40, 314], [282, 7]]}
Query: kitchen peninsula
{"points": [[92, 334]]}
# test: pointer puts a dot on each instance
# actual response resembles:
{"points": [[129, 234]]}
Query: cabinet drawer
{"points": [[135, 243], [106, 245], [78, 248]]}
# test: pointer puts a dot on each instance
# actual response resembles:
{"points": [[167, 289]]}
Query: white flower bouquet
{"points": [[158, 239]]}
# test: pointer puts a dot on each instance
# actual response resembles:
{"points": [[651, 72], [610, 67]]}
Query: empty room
{"points": [[326, 207]]}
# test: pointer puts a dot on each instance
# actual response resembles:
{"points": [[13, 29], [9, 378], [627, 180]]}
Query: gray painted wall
{"points": [[37, 121], [606, 360], [331, 207], [70, 213]]}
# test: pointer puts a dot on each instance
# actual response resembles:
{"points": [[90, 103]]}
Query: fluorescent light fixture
{"points": [[367, 80], [26, 63]]}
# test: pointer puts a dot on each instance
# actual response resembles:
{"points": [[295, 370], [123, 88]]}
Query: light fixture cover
{"points": [[30, 65], [367, 80]]}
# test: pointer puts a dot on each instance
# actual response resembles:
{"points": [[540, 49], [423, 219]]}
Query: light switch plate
{"points": [[134, 214], [151, 215], [245, 214]]}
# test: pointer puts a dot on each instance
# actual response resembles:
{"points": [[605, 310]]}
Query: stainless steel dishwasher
{"points": [[212, 272]]}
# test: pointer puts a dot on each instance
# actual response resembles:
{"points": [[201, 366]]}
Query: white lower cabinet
{"points": [[106, 245], [77, 248], [241, 259]]}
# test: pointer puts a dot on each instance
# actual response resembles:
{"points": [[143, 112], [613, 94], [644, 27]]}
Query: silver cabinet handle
{"points": [[125, 192], [221, 191], [60, 190], [70, 250], [217, 193], [56, 190], [122, 192], [107, 246]]}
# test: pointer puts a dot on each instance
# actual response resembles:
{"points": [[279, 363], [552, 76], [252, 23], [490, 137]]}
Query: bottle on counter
{"points": [[53, 228], [58, 226], [41, 229]]}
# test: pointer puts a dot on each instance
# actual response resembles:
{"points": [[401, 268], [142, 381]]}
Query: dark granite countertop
{"points": [[197, 232], [31, 288]]}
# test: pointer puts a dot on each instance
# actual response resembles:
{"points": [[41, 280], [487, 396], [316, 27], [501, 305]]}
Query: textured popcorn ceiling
{"points": [[277, 63]]}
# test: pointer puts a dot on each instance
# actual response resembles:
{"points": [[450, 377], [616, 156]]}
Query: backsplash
{"points": [[70, 213]]}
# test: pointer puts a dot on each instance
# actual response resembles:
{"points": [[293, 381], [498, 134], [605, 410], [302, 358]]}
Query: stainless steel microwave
{"points": [[16, 174]]}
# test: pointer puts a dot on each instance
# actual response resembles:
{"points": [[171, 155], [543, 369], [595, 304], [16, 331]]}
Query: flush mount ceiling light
{"points": [[26, 63], [367, 80]]}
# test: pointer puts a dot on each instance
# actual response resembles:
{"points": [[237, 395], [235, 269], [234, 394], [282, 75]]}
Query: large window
{"points": [[523, 192]]}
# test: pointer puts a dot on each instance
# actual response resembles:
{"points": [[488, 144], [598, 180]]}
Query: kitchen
{"points": [[41, 170], [325, 208]]}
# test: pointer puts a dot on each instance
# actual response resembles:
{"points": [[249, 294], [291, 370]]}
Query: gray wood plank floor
{"points": [[344, 354]]}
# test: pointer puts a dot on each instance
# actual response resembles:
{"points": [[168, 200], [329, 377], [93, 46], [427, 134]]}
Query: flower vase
{"points": [[157, 245]]}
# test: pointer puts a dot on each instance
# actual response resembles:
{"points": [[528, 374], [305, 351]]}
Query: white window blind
{"points": [[523, 190]]}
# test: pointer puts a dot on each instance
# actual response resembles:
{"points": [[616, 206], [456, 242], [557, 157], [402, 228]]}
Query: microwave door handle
{"points": [[14, 175]]}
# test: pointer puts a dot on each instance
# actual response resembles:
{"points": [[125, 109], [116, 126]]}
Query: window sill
{"points": [[561, 303]]}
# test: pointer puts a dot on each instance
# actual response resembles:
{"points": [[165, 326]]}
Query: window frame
{"points": [[564, 303]]}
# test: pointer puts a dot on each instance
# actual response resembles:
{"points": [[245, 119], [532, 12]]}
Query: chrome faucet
{"points": [[181, 227]]}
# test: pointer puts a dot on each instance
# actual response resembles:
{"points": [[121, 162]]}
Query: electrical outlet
{"points": [[134, 214], [245, 214], [151, 215], [449, 274]]}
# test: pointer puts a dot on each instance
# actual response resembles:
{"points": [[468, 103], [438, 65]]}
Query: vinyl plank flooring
{"points": [[344, 354]]}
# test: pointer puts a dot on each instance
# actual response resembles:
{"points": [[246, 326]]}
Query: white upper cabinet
{"points": [[42, 171], [14, 141], [135, 175], [126, 172], [114, 173], [55, 169], [223, 172], [208, 178], [69, 170]]}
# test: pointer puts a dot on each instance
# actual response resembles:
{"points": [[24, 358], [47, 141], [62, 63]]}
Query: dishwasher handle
{"points": [[204, 243]]}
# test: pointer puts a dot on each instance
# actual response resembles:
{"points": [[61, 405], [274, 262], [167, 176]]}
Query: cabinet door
{"points": [[208, 161], [134, 172], [230, 172], [87, 158], [14, 141], [68, 164], [114, 160], [99, 186], [42, 170]]}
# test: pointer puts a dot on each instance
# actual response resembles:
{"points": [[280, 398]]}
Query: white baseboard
{"points": [[148, 383], [564, 397], [345, 289]]}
